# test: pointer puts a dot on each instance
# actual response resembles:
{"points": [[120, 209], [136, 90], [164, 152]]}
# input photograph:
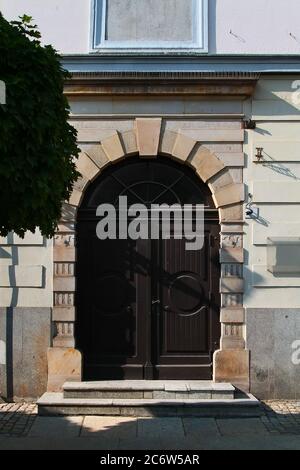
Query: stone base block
{"points": [[64, 364], [232, 366]]}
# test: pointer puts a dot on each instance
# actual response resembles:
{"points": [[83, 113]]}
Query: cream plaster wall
{"points": [[275, 188], [27, 266], [235, 27]]}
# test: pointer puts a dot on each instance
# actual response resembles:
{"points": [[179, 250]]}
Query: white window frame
{"points": [[199, 44]]}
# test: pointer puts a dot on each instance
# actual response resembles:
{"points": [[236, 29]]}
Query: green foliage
{"points": [[37, 145]]}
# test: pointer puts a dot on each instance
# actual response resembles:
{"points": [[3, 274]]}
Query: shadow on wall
{"points": [[266, 101], [278, 167], [9, 311], [24, 332]]}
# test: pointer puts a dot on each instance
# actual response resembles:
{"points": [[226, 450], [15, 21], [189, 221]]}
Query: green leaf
{"points": [[37, 144]]}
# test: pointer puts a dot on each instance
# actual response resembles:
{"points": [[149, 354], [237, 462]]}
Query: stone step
{"points": [[150, 389], [54, 404]]}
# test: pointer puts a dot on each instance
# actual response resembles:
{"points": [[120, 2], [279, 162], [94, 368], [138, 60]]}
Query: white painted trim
{"points": [[199, 45]]}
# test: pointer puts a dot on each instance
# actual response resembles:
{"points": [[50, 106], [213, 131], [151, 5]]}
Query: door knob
{"points": [[167, 308]]}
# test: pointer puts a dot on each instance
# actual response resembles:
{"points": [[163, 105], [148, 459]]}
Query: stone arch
{"points": [[149, 139]]}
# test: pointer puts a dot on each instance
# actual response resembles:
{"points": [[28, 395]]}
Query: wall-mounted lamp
{"points": [[259, 155], [252, 212], [249, 124]]}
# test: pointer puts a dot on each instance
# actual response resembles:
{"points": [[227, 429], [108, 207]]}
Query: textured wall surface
{"points": [[235, 27], [134, 20], [273, 338], [272, 302], [24, 339], [275, 187], [26, 271]]}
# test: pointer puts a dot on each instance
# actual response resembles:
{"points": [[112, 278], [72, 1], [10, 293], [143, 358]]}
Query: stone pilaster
{"points": [[64, 361], [231, 362]]}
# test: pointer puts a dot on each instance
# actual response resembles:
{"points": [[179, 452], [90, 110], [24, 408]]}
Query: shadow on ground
{"points": [[24, 430]]}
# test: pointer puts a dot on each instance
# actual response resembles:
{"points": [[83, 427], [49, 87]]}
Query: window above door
{"points": [[149, 26]]}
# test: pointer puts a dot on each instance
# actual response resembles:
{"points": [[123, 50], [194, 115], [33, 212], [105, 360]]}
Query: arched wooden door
{"points": [[147, 308]]}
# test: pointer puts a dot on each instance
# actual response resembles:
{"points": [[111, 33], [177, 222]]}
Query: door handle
{"points": [[155, 302]]}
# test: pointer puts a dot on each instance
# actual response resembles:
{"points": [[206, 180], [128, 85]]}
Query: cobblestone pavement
{"points": [[280, 417], [16, 419]]}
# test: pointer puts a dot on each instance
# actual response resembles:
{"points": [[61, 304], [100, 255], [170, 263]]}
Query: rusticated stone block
{"points": [[167, 142], [66, 227], [62, 253], [99, 157], [232, 213], [64, 249], [220, 180], [64, 364], [81, 184], [231, 284], [232, 255], [63, 314], [129, 143], [183, 147], [232, 159], [232, 228], [230, 194], [206, 164], [75, 198], [232, 342], [64, 341], [64, 284], [232, 366], [148, 135], [113, 148], [86, 166], [233, 315]]}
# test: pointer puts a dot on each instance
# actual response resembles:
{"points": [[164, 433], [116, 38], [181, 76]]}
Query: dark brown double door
{"points": [[147, 309]]}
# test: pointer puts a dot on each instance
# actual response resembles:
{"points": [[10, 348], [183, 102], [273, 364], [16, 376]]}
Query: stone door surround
{"points": [[149, 139]]}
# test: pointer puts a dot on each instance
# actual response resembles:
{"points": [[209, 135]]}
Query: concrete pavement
{"points": [[122, 433]]}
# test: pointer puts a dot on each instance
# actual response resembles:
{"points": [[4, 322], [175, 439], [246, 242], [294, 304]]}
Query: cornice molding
{"points": [[239, 84], [265, 64]]}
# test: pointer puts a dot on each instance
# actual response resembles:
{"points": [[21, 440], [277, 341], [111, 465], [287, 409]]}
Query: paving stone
{"points": [[160, 427], [109, 426], [56, 426], [230, 427], [195, 427]]}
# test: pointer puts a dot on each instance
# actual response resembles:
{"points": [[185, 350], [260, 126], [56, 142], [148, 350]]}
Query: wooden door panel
{"points": [[113, 274], [187, 283], [184, 302]]}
